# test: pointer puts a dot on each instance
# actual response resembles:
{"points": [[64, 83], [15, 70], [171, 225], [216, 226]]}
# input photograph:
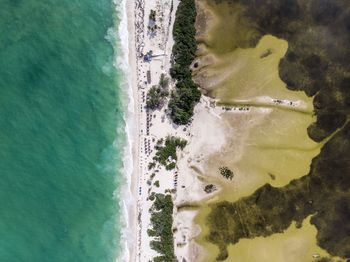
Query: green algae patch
{"points": [[294, 244], [271, 210]]}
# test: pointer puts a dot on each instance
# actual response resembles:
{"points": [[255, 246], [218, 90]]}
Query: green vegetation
{"points": [[151, 165], [163, 81], [161, 223], [160, 142], [209, 188], [151, 198], [226, 173], [186, 94], [155, 97], [156, 183], [157, 94], [166, 154], [152, 15]]}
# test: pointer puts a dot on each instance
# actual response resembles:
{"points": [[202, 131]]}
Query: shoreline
{"points": [[126, 201], [131, 130]]}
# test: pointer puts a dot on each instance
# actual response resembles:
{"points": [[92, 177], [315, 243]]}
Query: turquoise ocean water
{"points": [[59, 112]]}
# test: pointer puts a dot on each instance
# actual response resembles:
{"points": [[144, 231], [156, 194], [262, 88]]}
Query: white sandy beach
{"points": [[154, 125], [150, 126]]}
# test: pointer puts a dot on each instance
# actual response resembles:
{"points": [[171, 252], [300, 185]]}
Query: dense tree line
{"points": [[186, 95], [162, 221]]}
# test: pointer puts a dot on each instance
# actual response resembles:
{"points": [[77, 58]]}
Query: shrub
{"points": [[209, 188], [155, 98], [156, 183], [157, 94], [226, 173], [152, 15], [151, 165], [163, 81], [166, 154]]}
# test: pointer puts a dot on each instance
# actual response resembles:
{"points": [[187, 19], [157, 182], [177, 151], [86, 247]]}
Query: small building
{"points": [[148, 76]]}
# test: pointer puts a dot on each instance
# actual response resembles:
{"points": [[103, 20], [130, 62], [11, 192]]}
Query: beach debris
{"points": [[272, 176], [266, 53]]}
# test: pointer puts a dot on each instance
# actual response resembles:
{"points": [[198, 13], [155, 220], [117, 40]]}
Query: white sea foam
{"points": [[121, 44]]}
